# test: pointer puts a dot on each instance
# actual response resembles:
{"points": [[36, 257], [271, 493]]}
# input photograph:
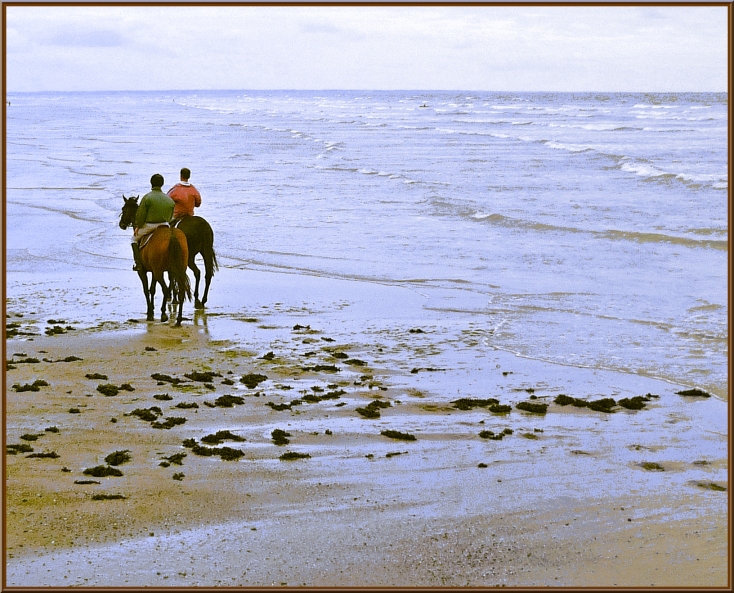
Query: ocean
{"points": [[583, 230]]}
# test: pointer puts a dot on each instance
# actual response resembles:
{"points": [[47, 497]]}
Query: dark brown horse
{"points": [[166, 251], [200, 239]]}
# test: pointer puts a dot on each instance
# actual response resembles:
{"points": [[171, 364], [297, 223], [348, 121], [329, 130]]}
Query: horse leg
{"points": [[197, 274], [151, 304], [148, 297], [166, 296], [208, 273], [181, 296]]}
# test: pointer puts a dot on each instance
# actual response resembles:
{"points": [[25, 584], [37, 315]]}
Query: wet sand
{"points": [[562, 500]]}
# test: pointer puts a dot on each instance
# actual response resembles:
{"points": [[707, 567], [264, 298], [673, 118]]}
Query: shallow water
{"points": [[584, 230]]}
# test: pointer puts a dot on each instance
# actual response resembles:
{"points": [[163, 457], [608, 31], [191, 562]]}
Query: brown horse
{"points": [[166, 251]]}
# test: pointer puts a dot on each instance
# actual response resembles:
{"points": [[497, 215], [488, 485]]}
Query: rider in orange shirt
{"points": [[185, 195]]}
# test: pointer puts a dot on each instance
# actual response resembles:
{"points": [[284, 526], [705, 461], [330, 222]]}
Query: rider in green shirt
{"points": [[155, 209]]}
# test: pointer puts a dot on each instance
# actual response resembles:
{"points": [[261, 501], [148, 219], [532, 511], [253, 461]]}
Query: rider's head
{"points": [[185, 174], [156, 181]]}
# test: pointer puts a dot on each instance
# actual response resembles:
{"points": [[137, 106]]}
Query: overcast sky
{"points": [[521, 48]]}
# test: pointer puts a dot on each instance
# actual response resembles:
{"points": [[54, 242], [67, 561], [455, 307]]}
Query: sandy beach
{"points": [[569, 497]]}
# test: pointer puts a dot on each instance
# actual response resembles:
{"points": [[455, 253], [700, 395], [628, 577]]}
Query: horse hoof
{"points": [[198, 305], [178, 324], [164, 318], [150, 318]]}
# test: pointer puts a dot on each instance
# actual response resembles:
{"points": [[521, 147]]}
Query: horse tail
{"points": [[178, 263]]}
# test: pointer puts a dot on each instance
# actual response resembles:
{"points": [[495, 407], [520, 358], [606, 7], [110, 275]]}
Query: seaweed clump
{"points": [[161, 378], [19, 448], [325, 368], [50, 455], [35, 386], [147, 414], [634, 403], [279, 436], [118, 457], [711, 486], [252, 380], [532, 407], [108, 497], [202, 377], [226, 453], [651, 466], [600, 405], [229, 401], [221, 436], [102, 471], [372, 409], [395, 434], [693, 393], [169, 423], [468, 403], [292, 455], [98, 376], [488, 434]]}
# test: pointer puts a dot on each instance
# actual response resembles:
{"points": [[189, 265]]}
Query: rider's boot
{"points": [[138, 267]]}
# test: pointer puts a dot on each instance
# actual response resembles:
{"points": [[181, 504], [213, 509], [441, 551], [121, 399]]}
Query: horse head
{"points": [[129, 210]]}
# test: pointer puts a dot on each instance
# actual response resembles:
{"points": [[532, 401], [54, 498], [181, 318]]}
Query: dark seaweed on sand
{"points": [[147, 414], [86, 482], [468, 403], [602, 405], [168, 423], [50, 455], [488, 434], [693, 393], [532, 407], [499, 409], [395, 434], [252, 380], [20, 448], [108, 389], [164, 397], [108, 497], [279, 436], [288, 406], [186, 406], [228, 401], [226, 453], [98, 376], [326, 368], [220, 436], [292, 455], [102, 471], [372, 410], [202, 377], [118, 457], [711, 486], [35, 386], [166, 378], [30, 437], [633, 403], [177, 458], [651, 466]]}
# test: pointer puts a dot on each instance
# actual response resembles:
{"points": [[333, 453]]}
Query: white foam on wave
{"points": [[642, 170], [569, 147]]}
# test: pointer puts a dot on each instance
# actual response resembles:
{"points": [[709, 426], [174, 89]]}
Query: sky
{"points": [[490, 48]]}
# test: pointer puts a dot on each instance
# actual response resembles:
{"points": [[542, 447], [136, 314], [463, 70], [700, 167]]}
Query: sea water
{"points": [[587, 230]]}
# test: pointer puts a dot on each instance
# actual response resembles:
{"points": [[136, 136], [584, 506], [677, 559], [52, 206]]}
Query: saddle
{"points": [[144, 241]]}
